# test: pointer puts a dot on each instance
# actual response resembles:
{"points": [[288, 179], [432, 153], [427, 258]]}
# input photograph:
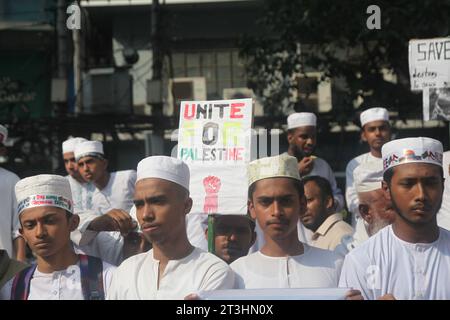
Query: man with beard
{"points": [[374, 207], [327, 225], [46, 216], [376, 131], [302, 140], [233, 236], [173, 269], [276, 200], [409, 259], [82, 191]]}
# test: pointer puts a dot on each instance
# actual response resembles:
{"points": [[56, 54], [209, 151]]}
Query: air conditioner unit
{"points": [[107, 91], [314, 93], [184, 89], [241, 93]]}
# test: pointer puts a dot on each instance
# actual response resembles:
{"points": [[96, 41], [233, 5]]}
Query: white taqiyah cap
{"points": [[70, 144], [88, 149], [3, 134], [374, 114], [44, 190], [282, 165], [368, 176], [301, 119], [163, 167], [409, 150]]}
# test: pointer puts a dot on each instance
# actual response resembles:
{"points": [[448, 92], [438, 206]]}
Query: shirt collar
{"points": [[327, 224]]}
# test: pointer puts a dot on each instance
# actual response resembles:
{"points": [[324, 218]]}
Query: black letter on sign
{"points": [[215, 128]]}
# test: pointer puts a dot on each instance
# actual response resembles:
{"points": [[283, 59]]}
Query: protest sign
{"points": [[429, 63], [214, 140]]}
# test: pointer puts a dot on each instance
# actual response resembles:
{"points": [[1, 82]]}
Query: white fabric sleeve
{"points": [[351, 195], [357, 274], [219, 277], [108, 271], [15, 223]]}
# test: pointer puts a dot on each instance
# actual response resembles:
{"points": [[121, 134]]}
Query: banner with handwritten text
{"points": [[214, 140], [429, 63]]}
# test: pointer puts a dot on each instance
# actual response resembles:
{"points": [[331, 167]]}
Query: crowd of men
{"points": [[96, 234]]}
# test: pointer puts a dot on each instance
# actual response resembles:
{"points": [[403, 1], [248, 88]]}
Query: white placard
{"points": [[429, 63], [214, 140], [275, 294]]}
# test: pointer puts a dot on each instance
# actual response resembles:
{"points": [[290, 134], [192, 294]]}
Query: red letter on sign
{"points": [[186, 111], [235, 108]]}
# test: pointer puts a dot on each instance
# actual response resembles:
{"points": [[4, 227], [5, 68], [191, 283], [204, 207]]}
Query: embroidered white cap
{"points": [[163, 167], [88, 149], [3, 134], [44, 190], [409, 150], [301, 119], [368, 176], [70, 144], [282, 165], [373, 114]]}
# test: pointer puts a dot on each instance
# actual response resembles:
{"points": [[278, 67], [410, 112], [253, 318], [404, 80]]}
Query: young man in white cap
{"points": [[409, 259], [47, 219], [376, 131], [276, 200], [320, 216], [302, 140], [113, 190], [103, 233], [10, 239], [82, 191], [173, 269], [301, 136], [374, 207]]}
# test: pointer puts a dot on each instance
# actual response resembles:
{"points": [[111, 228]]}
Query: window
{"points": [[221, 68]]}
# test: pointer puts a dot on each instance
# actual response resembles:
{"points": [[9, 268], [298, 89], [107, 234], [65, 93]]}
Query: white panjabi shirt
{"points": [[137, 277], [81, 194], [443, 216], [59, 285], [117, 194], [385, 264], [9, 218], [315, 268]]}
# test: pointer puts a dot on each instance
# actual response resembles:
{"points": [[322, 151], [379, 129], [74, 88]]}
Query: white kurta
{"points": [[9, 219], [58, 285], [81, 194], [443, 216], [118, 193], [315, 268], [351, 196], [386, 264], [137, 277]]}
